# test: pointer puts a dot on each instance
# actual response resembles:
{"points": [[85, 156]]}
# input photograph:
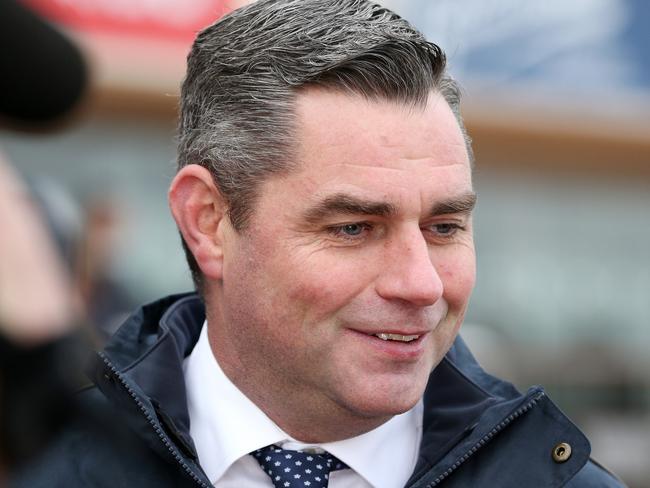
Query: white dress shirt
{"points": [[226, 426]]}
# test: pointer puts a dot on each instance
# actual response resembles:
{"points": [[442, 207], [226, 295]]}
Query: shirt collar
{"points": [[225, 425], [385, 456]]}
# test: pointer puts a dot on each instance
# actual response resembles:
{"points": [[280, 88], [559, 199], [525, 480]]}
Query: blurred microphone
{"points": [[43, 74]]}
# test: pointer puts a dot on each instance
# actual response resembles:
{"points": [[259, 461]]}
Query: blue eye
{"points": [[350, 232], [446, 228], [352, 229]]}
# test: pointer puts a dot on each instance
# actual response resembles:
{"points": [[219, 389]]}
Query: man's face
{"points": [[351, 281]]}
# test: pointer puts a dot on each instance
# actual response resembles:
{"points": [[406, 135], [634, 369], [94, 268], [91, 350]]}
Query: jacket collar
{"points": [[150, 347]]}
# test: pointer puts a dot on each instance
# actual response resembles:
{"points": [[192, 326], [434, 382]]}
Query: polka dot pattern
{"points": [[297, 469]]}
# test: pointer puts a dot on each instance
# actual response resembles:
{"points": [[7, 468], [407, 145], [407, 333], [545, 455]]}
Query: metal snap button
{"points": [[561, 452]]}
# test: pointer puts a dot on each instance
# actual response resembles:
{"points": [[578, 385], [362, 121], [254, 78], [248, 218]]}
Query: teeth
{"points": [[397, 337]]}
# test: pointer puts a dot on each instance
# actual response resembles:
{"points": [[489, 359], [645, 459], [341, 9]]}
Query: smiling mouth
{"points": [[397, 337]]}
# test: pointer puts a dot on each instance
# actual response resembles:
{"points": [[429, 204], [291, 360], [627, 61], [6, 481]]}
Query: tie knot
{"points": [[297, 469]]}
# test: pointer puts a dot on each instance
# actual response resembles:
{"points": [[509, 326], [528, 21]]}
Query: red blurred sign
{"points": [[171, 19]]}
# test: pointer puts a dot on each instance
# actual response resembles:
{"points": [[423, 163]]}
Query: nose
{"points": [[407, 273]]}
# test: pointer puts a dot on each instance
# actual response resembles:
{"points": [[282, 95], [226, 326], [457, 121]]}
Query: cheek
{"points": [[324, 286], [458, 276]]}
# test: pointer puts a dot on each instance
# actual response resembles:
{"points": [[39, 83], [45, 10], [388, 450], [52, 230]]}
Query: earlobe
{"points": [[199, 210]]}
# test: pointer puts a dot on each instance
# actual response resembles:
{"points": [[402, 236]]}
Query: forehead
{"points": [[341, 136], [331, 119]]}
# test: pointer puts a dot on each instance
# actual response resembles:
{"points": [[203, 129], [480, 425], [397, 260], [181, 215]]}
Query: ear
{"points": [[200, 214]]}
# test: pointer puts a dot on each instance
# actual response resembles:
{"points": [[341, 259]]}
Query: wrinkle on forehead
{"points": [[398, 173], [369, 151], [402, 172], [398, 159], [398, 166]]}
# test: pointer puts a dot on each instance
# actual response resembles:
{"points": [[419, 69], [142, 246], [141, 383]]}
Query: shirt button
{"points": [[561, 452]]}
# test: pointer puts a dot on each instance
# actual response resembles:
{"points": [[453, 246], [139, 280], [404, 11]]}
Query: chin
{"points": [[383, 411], [386, 402]]}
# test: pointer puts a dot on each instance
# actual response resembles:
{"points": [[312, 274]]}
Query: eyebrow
{"points": [[342, 203], [345, 204], [462, 204]]}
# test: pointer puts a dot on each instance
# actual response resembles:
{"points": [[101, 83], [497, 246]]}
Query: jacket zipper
{"points": [[151, 421], [487, 438]]}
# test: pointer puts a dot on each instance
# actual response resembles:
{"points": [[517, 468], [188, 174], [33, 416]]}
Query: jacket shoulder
{"points": [[594, 475], [96, 449]]}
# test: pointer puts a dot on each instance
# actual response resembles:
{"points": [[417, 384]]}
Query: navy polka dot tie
{"points": [[297, 469]]}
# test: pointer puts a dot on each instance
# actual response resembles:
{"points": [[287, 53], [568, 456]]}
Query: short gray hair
{"points": [[245, 71]]}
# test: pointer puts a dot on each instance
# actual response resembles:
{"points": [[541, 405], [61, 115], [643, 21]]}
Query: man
{"points": [[324, 197]]}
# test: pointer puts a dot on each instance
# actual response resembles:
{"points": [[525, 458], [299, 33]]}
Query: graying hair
{"points": [[245, 71]]}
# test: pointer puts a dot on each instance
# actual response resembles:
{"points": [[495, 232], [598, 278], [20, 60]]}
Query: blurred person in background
{"points": [[107, 302], [324, 197], [43, 79]]}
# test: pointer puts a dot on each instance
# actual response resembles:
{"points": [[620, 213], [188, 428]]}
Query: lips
{"points": [[392, 345], [395, 329], [397, 337]]}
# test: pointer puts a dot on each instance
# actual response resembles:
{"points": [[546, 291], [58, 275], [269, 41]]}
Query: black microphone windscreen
{"points": [[42, 74]]}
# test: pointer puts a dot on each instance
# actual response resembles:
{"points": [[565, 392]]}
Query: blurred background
{"points": [[557, 100]]}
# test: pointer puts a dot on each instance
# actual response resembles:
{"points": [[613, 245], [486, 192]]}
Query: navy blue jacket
{"points": [[478, 431]]}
